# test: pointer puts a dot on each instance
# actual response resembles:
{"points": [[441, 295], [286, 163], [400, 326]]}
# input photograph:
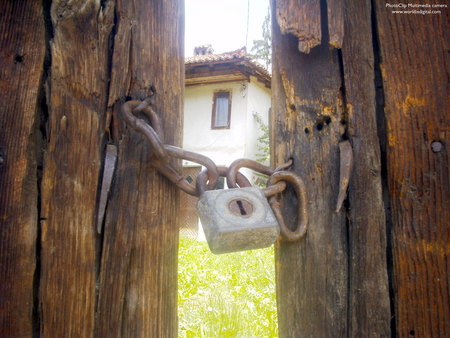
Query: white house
{"points": [[222, 94]]}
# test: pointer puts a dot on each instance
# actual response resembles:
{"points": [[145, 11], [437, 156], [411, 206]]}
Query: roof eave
{"points": [[243, 65]]}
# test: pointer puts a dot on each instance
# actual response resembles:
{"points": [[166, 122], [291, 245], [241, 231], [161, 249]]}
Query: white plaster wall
{"points": [[259, 101], [222, 145]]}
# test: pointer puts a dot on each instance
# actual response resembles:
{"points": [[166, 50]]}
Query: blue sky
{"points": [[223, 23]]}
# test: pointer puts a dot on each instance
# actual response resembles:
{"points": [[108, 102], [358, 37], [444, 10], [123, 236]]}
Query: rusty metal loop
{"points": [[278, 187], [174, 177], [213, 174], [143, 104], [161, 152], [284, 166], [150, 132], [246, 163], [202, 178], [300, 190], [208, 178], [154, 120], [274, 189], [143, 107]]}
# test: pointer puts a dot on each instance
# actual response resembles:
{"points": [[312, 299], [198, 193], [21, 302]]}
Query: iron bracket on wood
{"points": [[108, 173], [346, 163]]}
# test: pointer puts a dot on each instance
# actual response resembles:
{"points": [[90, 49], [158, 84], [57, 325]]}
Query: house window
{"points": [[221, 110]]}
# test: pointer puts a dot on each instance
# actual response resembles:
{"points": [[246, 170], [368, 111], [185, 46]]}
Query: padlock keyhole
{"points": [[241, 207]]}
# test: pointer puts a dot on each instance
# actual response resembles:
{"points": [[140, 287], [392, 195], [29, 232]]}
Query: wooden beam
{"points": [[21, 58], [307, 109], [414, 65], [335, 18], [138, 272], [215, 79], [123, 281], [302, 19], [78, 89], [369, 307], [235, 70]]}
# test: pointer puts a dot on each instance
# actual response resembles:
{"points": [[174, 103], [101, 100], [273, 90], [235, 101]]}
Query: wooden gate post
{"points": [[22, 51], [77, 92], [66, 68], [415, 67], [138, 272], [369, 307], [307, 109], [334, 282]]}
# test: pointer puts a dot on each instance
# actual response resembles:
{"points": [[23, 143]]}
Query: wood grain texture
{"points": [[335, 16], [77, 99], [369, 308], [302, 19], [138, 273], [415, 66], [305, 125], [22, 50]]}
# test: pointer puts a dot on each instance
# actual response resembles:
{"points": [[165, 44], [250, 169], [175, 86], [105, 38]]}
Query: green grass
{"points": [[229, 295]]}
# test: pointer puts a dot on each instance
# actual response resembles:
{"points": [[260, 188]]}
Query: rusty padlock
{"points": [[237, 220]]}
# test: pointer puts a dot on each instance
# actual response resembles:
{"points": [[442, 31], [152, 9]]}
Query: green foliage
{"points": [[229, 295], [264, 150], [263, 140], [262, 49]]}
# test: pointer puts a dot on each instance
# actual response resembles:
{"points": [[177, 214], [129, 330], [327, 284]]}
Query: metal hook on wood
{"points": [[346, 163], [108, 173]]}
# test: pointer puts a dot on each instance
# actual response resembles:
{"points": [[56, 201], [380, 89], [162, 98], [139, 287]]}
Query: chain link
{"points": [[208, 178]]}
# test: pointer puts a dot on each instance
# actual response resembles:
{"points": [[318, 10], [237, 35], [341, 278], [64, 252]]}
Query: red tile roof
{"points": [[238, 57], [206, 58]]}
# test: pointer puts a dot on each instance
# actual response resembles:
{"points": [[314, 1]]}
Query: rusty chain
{"points": [[208, 178]]}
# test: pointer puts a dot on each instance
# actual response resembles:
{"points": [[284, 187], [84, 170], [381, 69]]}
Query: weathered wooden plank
{"points": [[138, 274], [302, 19], [77, 101], [22, 50], [335, 15], [414, 64], [369, 307], [307, 110]]}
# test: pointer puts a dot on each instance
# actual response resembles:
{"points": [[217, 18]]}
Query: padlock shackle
{"points": [[203, 178]]}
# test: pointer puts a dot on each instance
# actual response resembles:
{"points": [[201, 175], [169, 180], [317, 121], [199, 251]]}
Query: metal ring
{"points": [[274, 189], [173, 176], [284, 166], [154, 120], [300, 190], [246, 163], [142, 104], [198, 158], [143, 127]]}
